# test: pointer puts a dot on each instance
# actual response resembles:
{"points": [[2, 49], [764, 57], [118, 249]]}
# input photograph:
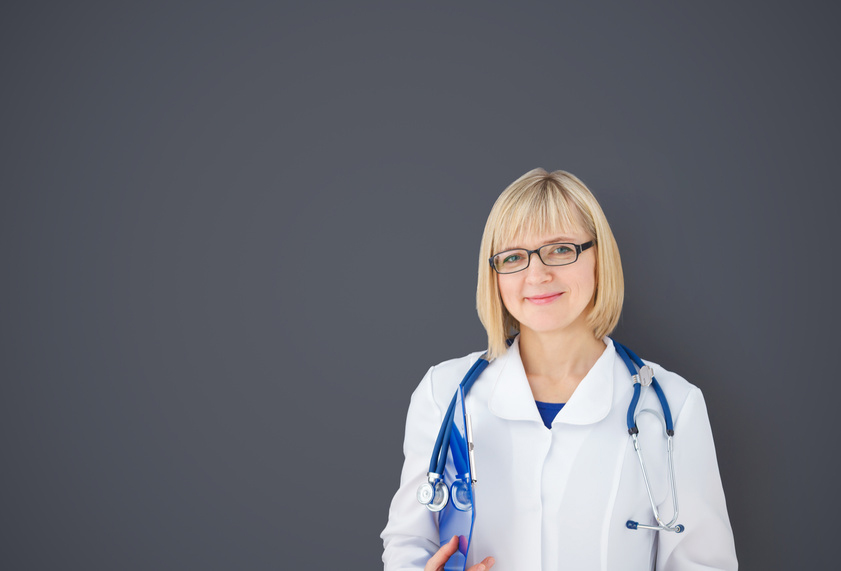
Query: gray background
{"points": [[215, 219]]}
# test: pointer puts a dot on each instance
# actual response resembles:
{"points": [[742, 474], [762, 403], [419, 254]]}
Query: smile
{"points": [[544, 299]]}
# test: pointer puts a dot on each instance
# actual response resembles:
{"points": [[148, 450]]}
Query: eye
{"points": [[561, 249], [512, 258]]}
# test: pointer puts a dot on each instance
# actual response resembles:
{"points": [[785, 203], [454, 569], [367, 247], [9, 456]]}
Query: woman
{"points": [[558, 474]]}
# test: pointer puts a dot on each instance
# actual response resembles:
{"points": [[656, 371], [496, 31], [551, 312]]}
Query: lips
{"points": [[544, 298]]}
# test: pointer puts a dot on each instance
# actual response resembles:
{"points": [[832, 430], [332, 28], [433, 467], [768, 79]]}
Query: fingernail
{"points": [[480, 567], [491, 562]]}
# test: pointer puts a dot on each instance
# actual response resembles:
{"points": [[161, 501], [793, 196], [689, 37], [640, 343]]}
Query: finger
{"points": [[485, 564], [442, 555]]}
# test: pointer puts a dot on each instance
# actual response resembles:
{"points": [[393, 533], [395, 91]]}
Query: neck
{"points": [[556, 362]]}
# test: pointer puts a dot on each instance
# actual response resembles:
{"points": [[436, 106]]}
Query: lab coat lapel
{"points": [[593, 398], [512, 398]]}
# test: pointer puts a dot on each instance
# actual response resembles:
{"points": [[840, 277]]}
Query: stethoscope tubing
{"points": [[641, 374], [632, 361], [439, 452]]}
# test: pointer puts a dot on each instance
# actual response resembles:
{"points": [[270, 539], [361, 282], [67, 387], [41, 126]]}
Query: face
{"points": [[549, 299]]}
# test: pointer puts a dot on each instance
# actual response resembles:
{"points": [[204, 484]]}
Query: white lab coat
{"points": [[559, 499]]}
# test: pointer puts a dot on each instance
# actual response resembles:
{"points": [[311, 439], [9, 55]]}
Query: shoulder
{"points": [[678, 390], [441, 380]]}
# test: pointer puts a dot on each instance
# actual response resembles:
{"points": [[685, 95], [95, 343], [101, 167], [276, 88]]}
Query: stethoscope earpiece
{"points": [[630, 524]]}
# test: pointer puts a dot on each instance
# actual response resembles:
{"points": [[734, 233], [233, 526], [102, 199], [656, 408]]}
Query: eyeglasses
{"points": [[517, 260]]}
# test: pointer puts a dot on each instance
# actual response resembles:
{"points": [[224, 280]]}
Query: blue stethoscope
{"points": [[435, 494]]}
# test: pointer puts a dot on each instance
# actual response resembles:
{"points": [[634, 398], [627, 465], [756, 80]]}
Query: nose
{"points": [[537, 272]]}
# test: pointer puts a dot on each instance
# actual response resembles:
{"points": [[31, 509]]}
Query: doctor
{"points": [[557, 472]]}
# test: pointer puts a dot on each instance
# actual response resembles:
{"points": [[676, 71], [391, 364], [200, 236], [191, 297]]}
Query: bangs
{"points": [[541, 209]]}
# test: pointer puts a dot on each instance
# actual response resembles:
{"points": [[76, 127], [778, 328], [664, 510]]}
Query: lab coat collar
{"points": [[512, 398]]}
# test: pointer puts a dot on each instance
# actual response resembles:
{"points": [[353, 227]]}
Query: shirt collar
{"points": [[512, 399]]}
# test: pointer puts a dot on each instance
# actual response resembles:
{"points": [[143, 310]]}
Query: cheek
{"points": [[583, 283], [588, 279], [589, 284], [506, 291]]}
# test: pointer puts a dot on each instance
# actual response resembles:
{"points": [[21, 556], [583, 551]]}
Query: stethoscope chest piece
{"points": [[462, 495], [434, 494]]}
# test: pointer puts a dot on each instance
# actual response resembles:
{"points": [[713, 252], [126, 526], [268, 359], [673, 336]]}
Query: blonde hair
{"points": [[540, 203]]}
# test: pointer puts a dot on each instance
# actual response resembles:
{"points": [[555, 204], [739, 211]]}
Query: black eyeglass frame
{"points": [[578, 249]]}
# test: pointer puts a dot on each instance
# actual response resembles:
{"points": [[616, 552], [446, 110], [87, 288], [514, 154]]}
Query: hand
{"points": [[436, 562]]}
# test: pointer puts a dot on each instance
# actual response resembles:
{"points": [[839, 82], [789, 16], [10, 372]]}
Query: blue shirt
{"points": [[548, 411]]}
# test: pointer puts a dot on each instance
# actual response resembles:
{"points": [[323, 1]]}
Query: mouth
{"points": [[545, 298]]}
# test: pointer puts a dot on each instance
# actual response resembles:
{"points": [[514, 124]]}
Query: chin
{"points": [[546, 327], [556, 325]]}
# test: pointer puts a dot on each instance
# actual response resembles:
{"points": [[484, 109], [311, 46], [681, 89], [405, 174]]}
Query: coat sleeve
{"points": [[707, 542], [411, 536]]}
